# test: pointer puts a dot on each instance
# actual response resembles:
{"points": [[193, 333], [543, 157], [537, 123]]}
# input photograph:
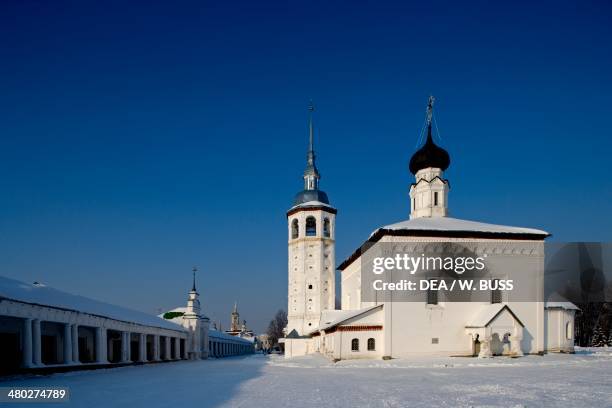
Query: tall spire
{"points": [[311, 174], [193, 302], [194, 270], [311, 155]]}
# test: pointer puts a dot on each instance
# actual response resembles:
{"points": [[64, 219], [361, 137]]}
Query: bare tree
{"points": [[276, 326]]}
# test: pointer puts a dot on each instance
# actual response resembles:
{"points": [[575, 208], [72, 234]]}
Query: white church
{"points": [[388, 329]]}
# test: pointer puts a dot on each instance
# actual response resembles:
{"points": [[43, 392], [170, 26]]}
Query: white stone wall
{"points": [[350, 279], [560, 330], [412, 327]]}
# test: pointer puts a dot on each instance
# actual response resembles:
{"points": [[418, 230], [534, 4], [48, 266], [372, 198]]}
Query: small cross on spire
{"points": [[430, 104]]}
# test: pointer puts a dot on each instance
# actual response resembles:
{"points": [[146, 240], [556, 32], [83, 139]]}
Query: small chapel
{"points": [[500, 325]]}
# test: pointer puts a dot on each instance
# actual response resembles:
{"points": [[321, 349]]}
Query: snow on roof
{"points": [[331, 318], [212, 333], [456, 224], [42, 295], [445, 227], [487, 313], [561, 305]]}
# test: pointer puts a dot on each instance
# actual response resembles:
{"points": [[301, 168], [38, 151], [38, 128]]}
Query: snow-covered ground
{"points": [[554, 380]]}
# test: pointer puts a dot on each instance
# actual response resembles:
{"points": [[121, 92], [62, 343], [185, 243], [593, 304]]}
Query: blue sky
{"points": [[137, 140]]}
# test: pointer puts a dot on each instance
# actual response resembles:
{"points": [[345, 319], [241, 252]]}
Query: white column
{"points": [[101, 346], [142, 347], [98, 346], [67, 344], [36, 342], [125, 347], [515, 341], [155, 347], [105, 345], [168, 348], [75, 344], [27, 343]]}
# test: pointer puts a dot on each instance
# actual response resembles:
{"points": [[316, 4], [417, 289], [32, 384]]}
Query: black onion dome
{"points": [[310, 195], [430, 155]]}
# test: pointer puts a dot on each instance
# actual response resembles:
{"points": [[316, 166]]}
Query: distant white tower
{"points": [[429, 192], [196, 323], [311, 232], [235, 323]]}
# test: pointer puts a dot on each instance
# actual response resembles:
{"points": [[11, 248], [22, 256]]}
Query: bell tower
{"points": [[235, 322], [311, 246]]}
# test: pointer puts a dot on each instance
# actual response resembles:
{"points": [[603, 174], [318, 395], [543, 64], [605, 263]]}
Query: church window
{"points": [[295, 229], [371, 344], [496, 295], [326, 230], [311, 227], [414, 203], [568, 330], [355, 345], [432, 297], [436, 198], [309, 286]]}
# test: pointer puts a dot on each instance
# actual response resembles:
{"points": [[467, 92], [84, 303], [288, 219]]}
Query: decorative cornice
{"points": [[294, 210], [377, 236], [445, 181]]}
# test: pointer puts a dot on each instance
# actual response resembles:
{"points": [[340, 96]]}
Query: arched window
{"points": [[295, 229], [311, 227], [326, 230], [569, 331], [371, 344], [436, 198], [355, 345]]}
